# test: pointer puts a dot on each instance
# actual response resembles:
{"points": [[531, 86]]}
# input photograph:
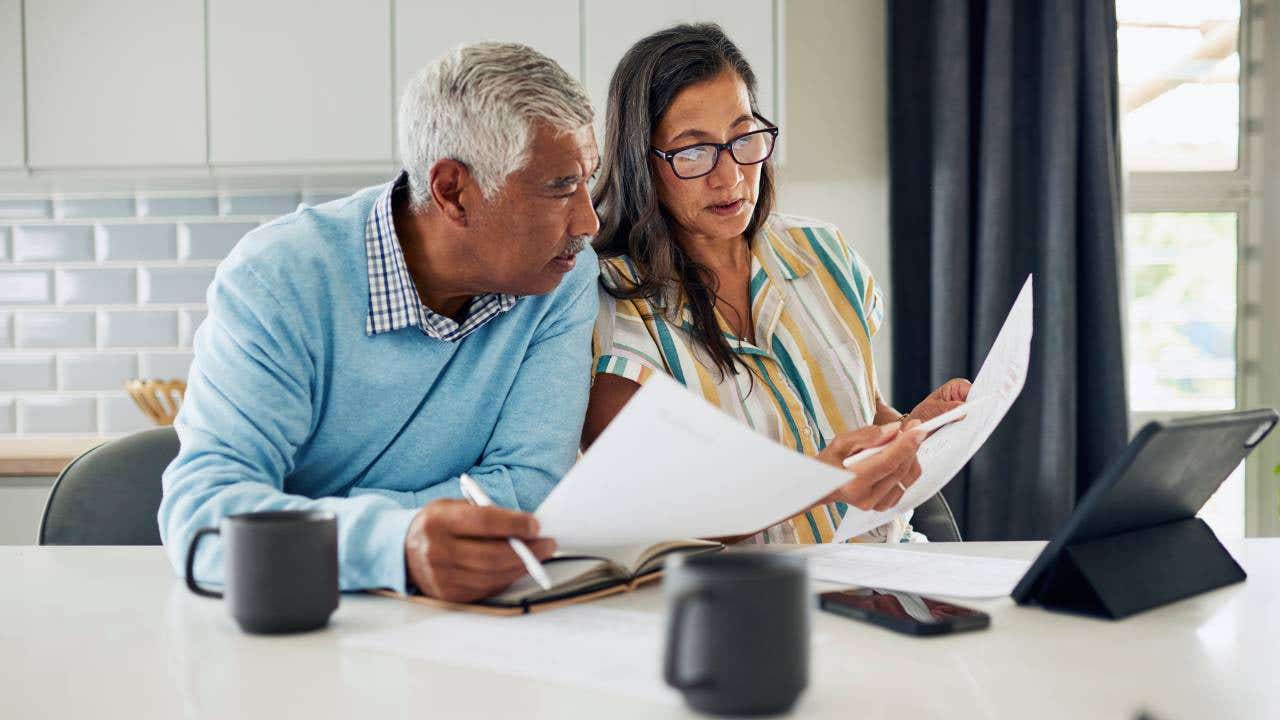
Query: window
{"points": [[1191, 147], [1179, 84]]}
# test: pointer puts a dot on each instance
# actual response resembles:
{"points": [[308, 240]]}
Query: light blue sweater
{"points": [[289, 402]]}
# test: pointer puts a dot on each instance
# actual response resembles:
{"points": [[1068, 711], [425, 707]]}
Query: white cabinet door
{"points": [[427, 29], [116, 83], [299, 81], [613, 27], [12, 141]]}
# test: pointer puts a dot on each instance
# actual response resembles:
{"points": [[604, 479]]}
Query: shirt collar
{"points": [[794, 260], [394, 303]]}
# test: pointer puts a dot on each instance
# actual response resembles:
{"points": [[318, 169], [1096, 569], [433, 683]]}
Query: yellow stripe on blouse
{"points": [[814, 310]]}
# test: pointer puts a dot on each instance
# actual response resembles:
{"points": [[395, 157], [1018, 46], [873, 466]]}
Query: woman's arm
{"points": [[885, 413], [609, 393]]}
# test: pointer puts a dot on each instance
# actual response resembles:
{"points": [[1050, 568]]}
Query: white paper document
{"points": [[672, 466], [593, 647], [948, 449], [924, 573]]}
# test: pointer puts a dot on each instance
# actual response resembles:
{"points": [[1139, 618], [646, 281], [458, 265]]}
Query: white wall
{"points": [[836, 165]]}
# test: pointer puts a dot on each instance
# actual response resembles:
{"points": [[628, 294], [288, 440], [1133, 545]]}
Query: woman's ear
{"points": [[447, 180]]}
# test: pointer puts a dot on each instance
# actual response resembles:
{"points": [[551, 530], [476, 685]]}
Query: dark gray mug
{"points": [[737, 631], [281, 569]]}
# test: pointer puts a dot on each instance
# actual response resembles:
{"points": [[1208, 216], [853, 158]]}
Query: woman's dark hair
{"points": [[632, 222]]}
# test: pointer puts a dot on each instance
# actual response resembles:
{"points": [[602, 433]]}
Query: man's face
{"points": [[526, 237]]}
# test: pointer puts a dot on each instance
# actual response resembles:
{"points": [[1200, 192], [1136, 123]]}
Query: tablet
{"points": [[1167, 473]]}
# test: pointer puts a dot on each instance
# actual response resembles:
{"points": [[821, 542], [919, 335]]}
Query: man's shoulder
{"points": [[313, 245]]}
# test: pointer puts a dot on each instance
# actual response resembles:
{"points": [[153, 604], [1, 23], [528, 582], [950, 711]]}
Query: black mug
{"points": [[281, 569], [737, 631]]}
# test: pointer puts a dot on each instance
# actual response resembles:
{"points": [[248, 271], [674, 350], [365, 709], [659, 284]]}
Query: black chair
{"points": [[110, 494], [933, 518]]}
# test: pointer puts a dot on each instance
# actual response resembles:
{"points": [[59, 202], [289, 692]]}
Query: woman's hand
{"points": [[879, 481], [950, 395]]}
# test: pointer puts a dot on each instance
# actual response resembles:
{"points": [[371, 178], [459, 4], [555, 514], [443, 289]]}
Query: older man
{"points": [[360, 355]]}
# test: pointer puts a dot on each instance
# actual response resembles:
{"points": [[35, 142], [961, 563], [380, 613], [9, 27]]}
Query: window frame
{"points": [[1240, 191]]}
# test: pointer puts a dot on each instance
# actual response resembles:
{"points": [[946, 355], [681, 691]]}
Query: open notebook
{"points": [[577, 575]]}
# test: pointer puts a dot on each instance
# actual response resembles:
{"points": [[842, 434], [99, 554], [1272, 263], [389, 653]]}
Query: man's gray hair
{"points": [[478, 105]]}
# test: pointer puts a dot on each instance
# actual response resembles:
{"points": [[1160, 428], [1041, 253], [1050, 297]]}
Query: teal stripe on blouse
{"points": [[757, 282], [793, 372], [669, 349], [782, 403], [853, 265], [836, 274], [813, 524]]}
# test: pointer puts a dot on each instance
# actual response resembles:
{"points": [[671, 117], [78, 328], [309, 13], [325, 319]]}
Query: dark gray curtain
{"points": [[1004, 161]]}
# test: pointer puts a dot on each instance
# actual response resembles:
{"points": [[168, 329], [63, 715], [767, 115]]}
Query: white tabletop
{"points": [[110, 632]]}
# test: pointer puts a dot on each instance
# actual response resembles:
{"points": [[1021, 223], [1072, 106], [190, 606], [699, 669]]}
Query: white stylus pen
{"points": [[473, 492], [928, 426]]}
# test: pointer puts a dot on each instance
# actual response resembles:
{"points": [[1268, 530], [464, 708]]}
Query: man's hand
{"points": [[881, 480], [458, 552], [950, 395]]}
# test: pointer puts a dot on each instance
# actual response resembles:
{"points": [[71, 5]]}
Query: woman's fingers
{"points": [[895, 481], [855, 441], [955, 389], [877, 475], [898, 484]]}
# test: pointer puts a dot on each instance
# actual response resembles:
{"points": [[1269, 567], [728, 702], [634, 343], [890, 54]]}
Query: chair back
{"points": [[111, 493], [934, 519]]}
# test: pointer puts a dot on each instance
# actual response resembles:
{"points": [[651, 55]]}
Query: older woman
{"points": [[768, 316]]}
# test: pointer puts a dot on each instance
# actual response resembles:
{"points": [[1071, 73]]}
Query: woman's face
{"points": [[719, 205]]}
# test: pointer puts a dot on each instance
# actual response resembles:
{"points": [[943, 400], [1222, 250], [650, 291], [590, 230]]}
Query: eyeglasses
{"points": [[694, 161]]}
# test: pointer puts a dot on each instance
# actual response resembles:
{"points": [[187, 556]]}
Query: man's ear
{"points": [[448, 179]]}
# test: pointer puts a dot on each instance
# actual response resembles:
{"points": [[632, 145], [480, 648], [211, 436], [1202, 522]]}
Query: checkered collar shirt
{"points": [[393, 297]]}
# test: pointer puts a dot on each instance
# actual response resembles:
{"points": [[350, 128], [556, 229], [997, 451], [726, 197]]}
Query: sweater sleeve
{"points": [[247, 410]]}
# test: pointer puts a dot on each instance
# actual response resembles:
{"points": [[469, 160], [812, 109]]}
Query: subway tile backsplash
{"points": [[177, 206], [262, 204], [49, 415], [175, 284], [139, 328], [36, 243], [25, 287], [51, 329], [94, 207], [141, 241], [97, 289], [97, 286], [15, 208], [210, 240], [27, 372]]}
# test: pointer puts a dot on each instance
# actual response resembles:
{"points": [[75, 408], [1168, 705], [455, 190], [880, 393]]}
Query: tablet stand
{"points": [[1132, 571]]}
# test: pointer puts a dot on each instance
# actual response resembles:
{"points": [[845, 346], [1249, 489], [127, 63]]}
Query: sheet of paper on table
{"points": [[948, 449], [594, 647], [924, 573]]}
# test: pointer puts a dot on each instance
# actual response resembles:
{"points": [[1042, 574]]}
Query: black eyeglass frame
{"points": [[670, 155]]}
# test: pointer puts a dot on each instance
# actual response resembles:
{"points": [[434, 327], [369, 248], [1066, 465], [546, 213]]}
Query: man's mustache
{"points": [[577, 244]]}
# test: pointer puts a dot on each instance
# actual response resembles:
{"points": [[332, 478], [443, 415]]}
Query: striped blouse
{"points": [[815, 308]]}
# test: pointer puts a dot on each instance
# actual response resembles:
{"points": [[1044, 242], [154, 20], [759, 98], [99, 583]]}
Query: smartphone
{"points": [[906, 613]]}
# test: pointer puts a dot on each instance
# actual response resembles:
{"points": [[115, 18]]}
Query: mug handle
{"points": [[191, 563], [674, 632]]}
